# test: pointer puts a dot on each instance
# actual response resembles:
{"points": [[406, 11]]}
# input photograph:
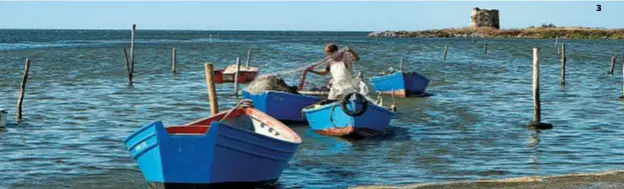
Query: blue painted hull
{"points": [[224, 154], [376, 119], [281, 105], [403, 84]]}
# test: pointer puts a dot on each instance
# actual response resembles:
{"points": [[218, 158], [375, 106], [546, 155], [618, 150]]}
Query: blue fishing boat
{"points": [[401, 84], [348, 117], [240, 147], [281, 105]]}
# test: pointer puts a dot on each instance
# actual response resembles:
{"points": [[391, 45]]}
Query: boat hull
{"points": [[199, 155], [331, 120], [281, 105], [243, 76], [402, 84], [264, 184]]}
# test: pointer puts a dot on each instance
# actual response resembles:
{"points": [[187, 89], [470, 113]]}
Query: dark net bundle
{"points": [[270, 83], [273, 81]]}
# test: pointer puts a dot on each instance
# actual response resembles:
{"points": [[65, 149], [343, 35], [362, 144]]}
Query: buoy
{"points": [[3, 118]]}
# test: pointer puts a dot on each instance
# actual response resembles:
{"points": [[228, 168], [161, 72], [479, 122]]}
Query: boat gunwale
{"points": [[309, 110], [253, 114], [310, 97]]}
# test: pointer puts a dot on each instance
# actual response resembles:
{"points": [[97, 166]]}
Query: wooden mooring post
{"points": [[401, 65], [248, 59], [563, 64], [445, 51], [473, 37], [173, 60], [212, 92], [20, 100], [130, 63], [485, 48], [536, 123], [622, 97], [236, 76], [557, 44], [125, 53], [612, 65], [3, 118], [132, 53]]}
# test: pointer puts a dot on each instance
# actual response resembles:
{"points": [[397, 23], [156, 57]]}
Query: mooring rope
{"points": [[242, 104]]}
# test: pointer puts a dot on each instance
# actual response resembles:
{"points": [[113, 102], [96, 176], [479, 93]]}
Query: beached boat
{"points": [[281, 105], [246, 74], [248, 147], [402, 84], [348, 117]]}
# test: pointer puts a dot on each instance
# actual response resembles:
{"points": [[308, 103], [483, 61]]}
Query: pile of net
{"points": [[273, 81], [270, 83]]}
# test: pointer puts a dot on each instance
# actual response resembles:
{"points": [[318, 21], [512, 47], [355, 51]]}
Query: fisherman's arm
{"points": [[323, 73], [354, 55]]}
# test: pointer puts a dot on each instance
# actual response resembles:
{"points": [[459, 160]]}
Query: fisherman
{"points": [[341, 69]]}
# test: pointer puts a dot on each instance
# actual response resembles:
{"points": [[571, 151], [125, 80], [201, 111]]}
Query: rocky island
{"points": [[485, 24]]}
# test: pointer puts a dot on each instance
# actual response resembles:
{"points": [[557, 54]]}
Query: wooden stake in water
{"points": [[20, 100], [536, 123], [236, 76], [401, 65], [445, 51], [611, 67], [127, 66], [173, 60], [248, 59], [485, 48], [557, 44], [212, 92], [132, 53], [536, 94], [473, 37], [622, 97], [563, 64]]}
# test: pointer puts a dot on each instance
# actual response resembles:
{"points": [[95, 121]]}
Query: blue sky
{"points": [[310, 16]]}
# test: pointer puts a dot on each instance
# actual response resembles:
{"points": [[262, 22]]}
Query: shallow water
{"points": [[78, 107]]}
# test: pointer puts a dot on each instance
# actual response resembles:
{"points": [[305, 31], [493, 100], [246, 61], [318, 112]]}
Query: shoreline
{"points": [[544, 32], [606, 179]]}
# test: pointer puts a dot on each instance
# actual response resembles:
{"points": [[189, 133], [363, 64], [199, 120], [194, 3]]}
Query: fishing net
{"points": [[270, 83], [274, 81]]}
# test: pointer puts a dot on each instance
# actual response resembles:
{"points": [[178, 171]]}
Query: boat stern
{"points": [[415, 83]]}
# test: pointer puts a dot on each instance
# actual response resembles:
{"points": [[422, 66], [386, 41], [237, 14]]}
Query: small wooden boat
{"points": [[281, 105], [401, 84], [241, 146], [348, 117], [245, 75]]}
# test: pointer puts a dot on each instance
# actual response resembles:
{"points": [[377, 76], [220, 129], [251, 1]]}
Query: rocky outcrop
{"points": [[484, 18], [383, 34]]}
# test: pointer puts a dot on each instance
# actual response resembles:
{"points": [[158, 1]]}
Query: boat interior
{"points": [[232, 69], [240, 118]]}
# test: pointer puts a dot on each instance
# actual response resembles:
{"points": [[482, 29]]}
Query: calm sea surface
{"points": [[78, 107]]}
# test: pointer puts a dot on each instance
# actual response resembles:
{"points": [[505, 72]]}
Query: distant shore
{"points": [[542, 32]]}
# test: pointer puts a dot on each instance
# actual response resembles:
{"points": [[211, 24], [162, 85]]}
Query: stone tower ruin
{"points": [[484, 18]]}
